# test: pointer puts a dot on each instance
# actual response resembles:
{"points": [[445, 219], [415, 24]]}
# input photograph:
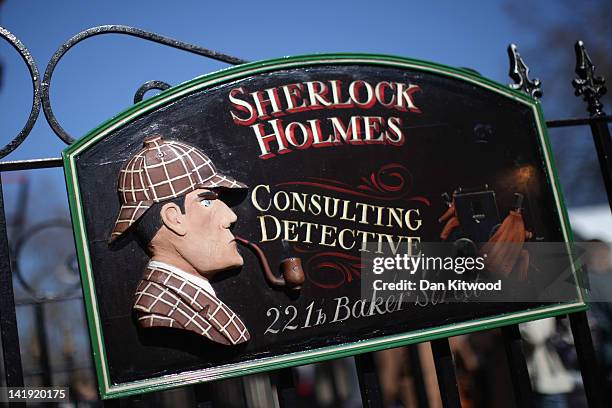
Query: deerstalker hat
{"points": [[162, 170]]}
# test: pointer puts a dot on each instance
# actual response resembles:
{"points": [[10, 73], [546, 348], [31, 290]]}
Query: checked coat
{"points": [[165, 299]]}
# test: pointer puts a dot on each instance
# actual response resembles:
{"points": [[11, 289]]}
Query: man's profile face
{"points": [[208, 244]]}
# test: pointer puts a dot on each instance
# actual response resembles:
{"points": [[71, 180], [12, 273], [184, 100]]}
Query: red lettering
{"points": [[290, 133], [354, 90], [264, 140], [242, 106]]}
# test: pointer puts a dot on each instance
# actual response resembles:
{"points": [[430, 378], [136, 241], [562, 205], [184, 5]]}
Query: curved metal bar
{"points": [[115, 29], [29, 60], [148, 86], [18, 247]]}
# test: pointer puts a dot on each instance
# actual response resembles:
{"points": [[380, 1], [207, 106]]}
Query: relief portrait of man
{"points": [[172, 197]]}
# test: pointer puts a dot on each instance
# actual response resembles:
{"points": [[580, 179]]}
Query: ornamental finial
{"points": [[591, 87], [519, 72]]}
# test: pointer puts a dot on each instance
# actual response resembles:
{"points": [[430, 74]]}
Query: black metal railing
{"points": [[588, 85]]}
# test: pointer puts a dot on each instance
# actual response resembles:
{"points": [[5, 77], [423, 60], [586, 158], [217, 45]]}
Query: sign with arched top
{"points": [[294, 210]]}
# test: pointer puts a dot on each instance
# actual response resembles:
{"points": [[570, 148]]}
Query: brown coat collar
{"points": [[165, 299]]}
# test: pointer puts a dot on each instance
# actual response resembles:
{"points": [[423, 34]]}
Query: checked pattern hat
{"points": [[162, 170]]}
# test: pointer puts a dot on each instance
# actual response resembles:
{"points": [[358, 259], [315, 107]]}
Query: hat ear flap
{"points": [[173, 218]]}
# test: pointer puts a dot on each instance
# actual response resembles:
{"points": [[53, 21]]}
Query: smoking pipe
{"points": [[292, 273]]}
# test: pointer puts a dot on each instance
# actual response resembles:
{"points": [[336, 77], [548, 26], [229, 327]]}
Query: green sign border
{"points": [[108, 390]]}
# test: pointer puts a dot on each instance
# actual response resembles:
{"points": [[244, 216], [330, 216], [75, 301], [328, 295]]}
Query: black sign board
{"points": [[325, 161]]}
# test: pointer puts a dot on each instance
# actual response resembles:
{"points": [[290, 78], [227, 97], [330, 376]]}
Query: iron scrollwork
{"points": [[41, 89], [29, 60], [148, 86]]}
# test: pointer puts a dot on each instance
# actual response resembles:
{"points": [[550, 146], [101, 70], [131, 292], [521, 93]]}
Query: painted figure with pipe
{"points": [[172, 196], [176, 201]]}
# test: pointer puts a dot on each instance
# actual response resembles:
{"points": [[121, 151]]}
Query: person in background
{"points": [[550, 380], [600, 283]]}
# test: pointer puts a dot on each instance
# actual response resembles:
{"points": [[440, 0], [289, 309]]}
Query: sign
{"points": [[247, 220]]}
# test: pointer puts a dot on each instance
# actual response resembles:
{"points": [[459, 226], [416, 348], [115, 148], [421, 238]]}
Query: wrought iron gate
{"points": [[587, 85]]}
